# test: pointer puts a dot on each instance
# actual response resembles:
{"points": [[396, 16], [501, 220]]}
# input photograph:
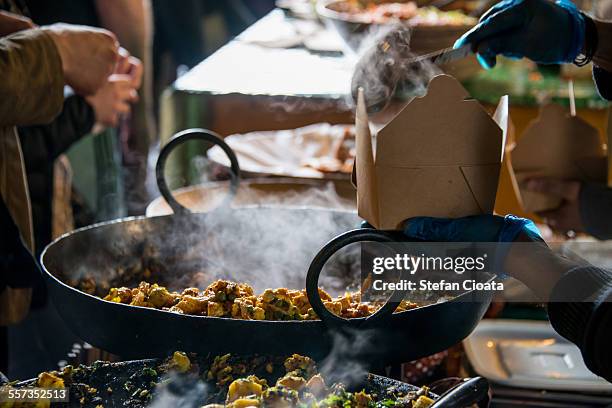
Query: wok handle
{"points": [[331, 320], [180, 138], [465, 394]]}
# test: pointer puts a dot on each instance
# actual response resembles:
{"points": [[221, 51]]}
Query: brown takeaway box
{"points": [[555, 145], [440, 156]]}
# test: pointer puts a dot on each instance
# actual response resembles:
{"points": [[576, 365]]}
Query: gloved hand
{"points": [[477, 228], [543, 31]]}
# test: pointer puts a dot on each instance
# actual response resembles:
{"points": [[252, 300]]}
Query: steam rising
{"points": [[180, 392], [345, 362], [267, 247], [386, 68]]}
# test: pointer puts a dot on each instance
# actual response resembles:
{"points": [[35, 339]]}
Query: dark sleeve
{"points": [[17, 266], [581, 311], [603, 82], [595, 210], [47, 142]]}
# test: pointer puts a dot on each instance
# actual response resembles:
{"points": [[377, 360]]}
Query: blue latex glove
{"points": [[543, 31], [477, 228]]}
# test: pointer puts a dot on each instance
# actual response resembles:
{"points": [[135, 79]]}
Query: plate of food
{"points": [[316, 151]]}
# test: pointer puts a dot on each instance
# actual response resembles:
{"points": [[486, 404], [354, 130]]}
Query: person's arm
{"points": [[36, 63], [130, 21], [599, 39], [75, 121], [578, 297], [603, 47], [32, 84], [586, 321], [595, 206]]}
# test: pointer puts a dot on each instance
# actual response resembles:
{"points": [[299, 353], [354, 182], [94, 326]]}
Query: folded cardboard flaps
{"points": [[559, 146], [440, 156]]}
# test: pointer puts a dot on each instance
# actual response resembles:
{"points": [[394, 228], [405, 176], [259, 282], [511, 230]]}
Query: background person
{"points": [[36, 64]]}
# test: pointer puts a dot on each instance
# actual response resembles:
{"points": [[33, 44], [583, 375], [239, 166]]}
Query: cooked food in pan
{"points": [[303, 386], [235, 300], [216, 382], [383, 13]]}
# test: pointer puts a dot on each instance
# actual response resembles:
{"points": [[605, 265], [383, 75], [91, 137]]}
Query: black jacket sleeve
{"points": [[581, 311], [41, 145], [47, 142], [17, 266], [595, 205], [603, 82]]}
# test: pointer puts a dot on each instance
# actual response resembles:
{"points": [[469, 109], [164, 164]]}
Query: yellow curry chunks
{"points": [[224, 298]]}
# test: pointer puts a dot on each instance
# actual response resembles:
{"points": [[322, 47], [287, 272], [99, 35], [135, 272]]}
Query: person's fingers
{"points": [[569, 190], [125, 92], [497, 24], [123, 62], [486, 60], [136, 72], [131, 96], [122, 107], [506, 45], [428, 228], [126, 89], [123, 88], [113, 50], [498, 7], [11, 23], [123, 79]]}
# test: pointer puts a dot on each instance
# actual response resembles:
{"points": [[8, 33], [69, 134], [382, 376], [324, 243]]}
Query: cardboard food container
{"points": [[440, 156], [556, 145]]}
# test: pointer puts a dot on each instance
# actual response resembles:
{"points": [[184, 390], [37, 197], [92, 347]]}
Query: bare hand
{"points": [[89, 55], [129, 65], [113, 100], [11, 23], [567, 217]]}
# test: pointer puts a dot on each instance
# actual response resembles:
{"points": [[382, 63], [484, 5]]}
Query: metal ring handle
{"points": [[180, 138], [465, 394], [316, 266]]}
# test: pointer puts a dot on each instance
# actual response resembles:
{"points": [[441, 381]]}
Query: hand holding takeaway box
{"points": [[439, 157], [555, 145]]}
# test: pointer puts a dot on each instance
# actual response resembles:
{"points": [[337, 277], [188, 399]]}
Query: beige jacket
{"points": [[31, 92]]}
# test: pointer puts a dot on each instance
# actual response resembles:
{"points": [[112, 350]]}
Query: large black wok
{"points": [[266, 247], [144, 374]]}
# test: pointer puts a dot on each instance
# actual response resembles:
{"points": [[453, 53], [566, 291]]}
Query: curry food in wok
{"points": [[225, 298], [216, 382], [303, 386]]}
